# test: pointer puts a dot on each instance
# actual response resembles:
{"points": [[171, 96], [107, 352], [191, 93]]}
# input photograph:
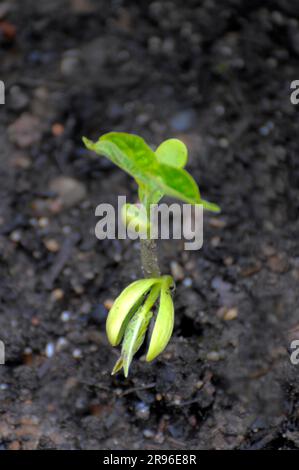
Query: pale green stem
{"points": [[149, 251]]}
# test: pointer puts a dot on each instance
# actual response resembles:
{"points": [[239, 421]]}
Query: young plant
{"points": [[157, 173]]}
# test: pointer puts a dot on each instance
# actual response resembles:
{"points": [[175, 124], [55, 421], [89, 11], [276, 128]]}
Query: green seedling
{"points": [[157, 173]]}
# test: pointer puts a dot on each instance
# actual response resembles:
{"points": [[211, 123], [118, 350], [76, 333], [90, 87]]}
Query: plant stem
{"points": [[148, 246], [149, 258]]}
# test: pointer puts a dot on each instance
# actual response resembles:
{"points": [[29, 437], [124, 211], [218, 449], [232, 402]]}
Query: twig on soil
{"points": [[61, 259], [138, 389]]}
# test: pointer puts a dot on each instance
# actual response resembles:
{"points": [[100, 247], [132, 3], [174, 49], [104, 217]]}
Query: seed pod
{"points": [[133, 339], [124, 308], [163, 325]]}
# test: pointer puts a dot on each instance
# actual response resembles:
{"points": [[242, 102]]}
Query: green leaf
{"points": [[172, 152], [127, 151], [148, 196], [153, 177], [177, 183], [134, 156], [210, 206]]}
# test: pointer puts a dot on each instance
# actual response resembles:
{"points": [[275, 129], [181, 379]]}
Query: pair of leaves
{"points": [[130, 315], [156, 173]]}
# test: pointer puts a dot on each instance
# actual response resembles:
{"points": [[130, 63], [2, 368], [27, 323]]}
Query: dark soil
{"points": [[217, 75]]}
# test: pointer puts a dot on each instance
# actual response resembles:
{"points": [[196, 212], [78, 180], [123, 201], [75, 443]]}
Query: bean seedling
{"points": [[157, 173]]}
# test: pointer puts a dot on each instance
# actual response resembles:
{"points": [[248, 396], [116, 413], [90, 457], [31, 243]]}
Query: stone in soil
{"points": [[25, 131], [69, 190]]}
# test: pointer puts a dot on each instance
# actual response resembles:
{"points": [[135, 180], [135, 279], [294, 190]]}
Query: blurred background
{"points": [[218, 77]]}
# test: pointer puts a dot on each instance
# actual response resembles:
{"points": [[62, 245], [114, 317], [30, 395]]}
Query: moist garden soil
{"points": [[218, 77]]}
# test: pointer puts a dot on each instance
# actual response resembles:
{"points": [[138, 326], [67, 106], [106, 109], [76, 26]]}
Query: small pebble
{"points": [[199, 384], [278, 18], [215, 241], [57, 129], [176, 271], [190, 265], [85, 308], [216, 222], [18, 100], [159, 438], [78, 289], [55, 206], [65, 316], [142, 410], [148, 434], [37, 254], [25, 131], [278, 263], [266, 129], [228, 261], [230, 314], [52, 245], [89, 275], [70, 62], [61, 343], [142, 119], [69, 190], [219, 110], [43, 222], [223, 143], [213, 356], [35, 321], [16, 236], [3, 386], [77, 353], [177, 400], [57, 294], [50, 350], [66, 229], [268, 250], [108, 303], [187, 282]]}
